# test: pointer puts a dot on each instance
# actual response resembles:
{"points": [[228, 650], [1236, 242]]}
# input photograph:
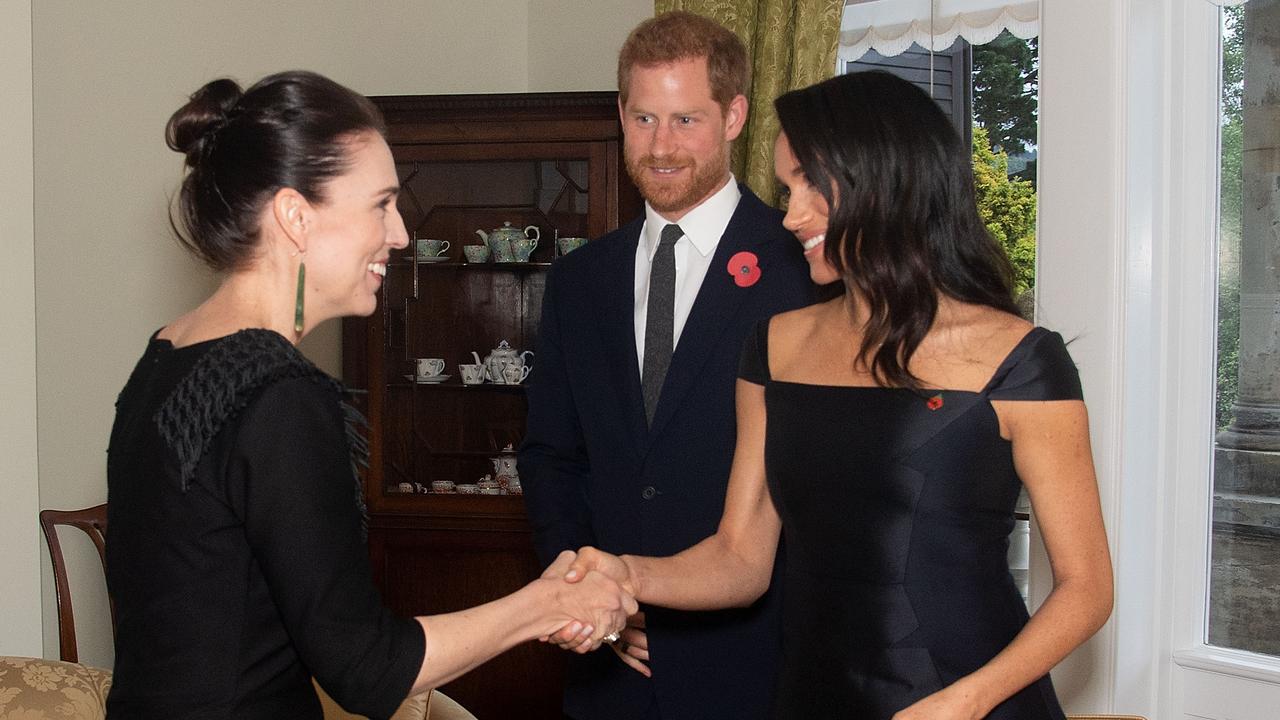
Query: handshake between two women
{"points": [[595, 568]]}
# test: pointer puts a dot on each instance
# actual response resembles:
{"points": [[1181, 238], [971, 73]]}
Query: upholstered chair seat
{"points": [[35, 689], [433, 705]]}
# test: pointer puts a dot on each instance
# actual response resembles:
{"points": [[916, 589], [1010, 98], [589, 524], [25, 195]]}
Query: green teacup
{"points": [[476, 253], [567, 245], [523, 247], [431, 248]]}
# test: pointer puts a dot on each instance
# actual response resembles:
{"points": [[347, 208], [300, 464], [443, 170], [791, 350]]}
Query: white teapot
{"points": [[504, 464], [502, 356]]}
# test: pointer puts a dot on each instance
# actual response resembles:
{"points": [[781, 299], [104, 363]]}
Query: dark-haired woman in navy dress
{"points": [[889, 430]]}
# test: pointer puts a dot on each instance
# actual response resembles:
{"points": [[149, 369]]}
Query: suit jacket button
{"points": [[649, 492]]}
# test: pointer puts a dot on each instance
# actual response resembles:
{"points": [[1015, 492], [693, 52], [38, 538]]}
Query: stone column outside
{"points": [[1244, 611]]}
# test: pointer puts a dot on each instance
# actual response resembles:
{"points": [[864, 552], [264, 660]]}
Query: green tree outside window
{"points": [[1007, 205]]}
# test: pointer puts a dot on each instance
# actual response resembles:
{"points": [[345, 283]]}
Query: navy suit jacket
{"points": [[595, 473]]}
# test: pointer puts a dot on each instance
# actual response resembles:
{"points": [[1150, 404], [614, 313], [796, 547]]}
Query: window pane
{"points": [[1244, 577]]}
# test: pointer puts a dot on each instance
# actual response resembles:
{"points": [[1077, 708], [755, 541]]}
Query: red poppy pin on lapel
{"points": [[745, 268], [935, 402]]}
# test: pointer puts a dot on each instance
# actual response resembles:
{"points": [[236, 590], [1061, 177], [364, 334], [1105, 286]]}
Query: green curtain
{"points": [[791, 43]]}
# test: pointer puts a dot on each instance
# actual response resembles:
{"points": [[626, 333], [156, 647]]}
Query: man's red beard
{"points": [[671, 195]]}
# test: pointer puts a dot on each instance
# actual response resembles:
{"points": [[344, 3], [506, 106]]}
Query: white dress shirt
{"points": [[702, 228]]}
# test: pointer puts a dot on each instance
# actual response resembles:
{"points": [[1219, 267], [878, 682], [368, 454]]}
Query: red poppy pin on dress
{"points": [[745, 268], [935, 402]]}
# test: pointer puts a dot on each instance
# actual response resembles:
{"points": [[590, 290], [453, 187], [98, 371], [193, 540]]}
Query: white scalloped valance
{"points": [[891, 26]]}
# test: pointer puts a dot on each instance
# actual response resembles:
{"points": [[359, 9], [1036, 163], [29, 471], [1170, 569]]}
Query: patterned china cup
{"points": [[428, 248], [472, 373], [523, 247], [476, 253], [429, 367], [515, 374], [567, 245]]}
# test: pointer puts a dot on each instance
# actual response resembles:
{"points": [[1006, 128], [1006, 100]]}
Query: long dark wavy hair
{"points": [[903, 226]]}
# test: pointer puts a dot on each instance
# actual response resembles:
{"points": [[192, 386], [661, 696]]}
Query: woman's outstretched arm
{"points": [[732, 567], [458, 642]]}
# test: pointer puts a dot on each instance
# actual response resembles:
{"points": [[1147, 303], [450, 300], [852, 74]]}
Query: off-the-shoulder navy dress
{"points": [[897, 508]]}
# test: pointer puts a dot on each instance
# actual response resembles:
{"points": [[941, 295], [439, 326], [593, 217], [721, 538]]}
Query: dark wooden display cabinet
{"points": [[470, 163]]}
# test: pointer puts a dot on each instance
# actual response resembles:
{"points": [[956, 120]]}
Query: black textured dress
{"points": [[896, 511], [234, 549]]}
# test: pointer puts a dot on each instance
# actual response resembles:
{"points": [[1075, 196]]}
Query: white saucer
{"points": [[433, 258], [427, 379]]}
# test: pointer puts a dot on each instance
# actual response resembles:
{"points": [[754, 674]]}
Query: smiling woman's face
{"points": [[807, 211], [353, 233]]}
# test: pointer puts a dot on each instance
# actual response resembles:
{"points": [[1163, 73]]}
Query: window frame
{"points": [[1195, 158], [1198, 217]]}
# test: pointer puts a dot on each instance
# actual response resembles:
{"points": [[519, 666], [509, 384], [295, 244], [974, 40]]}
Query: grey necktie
{"points": [[659, 325]]}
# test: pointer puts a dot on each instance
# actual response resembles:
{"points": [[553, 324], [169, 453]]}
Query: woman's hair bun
{"points": [[191, 127], [288, 130]]}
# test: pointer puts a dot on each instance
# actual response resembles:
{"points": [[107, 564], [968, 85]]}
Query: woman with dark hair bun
{"points": [[236, 556], [889, 430]]}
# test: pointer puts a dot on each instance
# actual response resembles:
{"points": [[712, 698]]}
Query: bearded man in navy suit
{"points": [[631, 424]]}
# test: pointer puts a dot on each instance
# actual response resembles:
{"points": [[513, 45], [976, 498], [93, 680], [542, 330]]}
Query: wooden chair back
{"points": [[93, 521]]}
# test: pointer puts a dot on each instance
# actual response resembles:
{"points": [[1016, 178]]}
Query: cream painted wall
{"points": [[107, 76], [19, 534], [573, 45]]}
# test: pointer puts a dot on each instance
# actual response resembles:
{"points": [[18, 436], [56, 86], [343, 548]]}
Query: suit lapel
{"points": [[718, 300], [615, 295]]}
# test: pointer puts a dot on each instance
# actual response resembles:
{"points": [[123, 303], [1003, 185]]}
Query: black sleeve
{"points": [[554, 467], [753, 366], [1043, 370], [292, 460]]}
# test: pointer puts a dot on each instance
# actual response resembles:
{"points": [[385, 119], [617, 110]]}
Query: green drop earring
{"points": [[302, 285]]}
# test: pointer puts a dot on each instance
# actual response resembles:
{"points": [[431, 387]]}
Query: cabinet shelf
{"points": [[426, 509], [456, 385], [484, 454], [474, 266], [434, 494]]}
